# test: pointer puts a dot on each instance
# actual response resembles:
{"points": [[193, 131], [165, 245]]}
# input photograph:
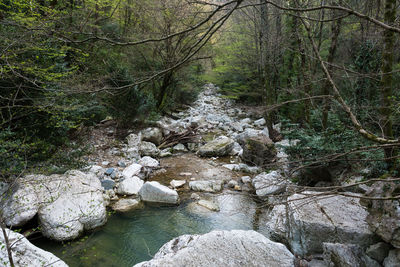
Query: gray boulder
{"points": [[259, 150], [25, 254], [80, 207], [206, 186], [378, 251], [221, 146], [148, 149], [309, 220], [155, 192], [269, 183], [222, 248], [130, 186], [346, 255], [153, 135], [393, 260]]}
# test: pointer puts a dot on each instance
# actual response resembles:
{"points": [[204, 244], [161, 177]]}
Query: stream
{"points": [[135, 236]]}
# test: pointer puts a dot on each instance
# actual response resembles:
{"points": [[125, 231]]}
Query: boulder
{"points": [[310, 220], [346, 255], [384, 217], [221, 146], [153, 135], [149, 162], [222, 248], [126, 204], [206, 186], [393, 260], [259, 150], [155, 192], [148, 149], [269, 184], [130, 186], [378, 251], [132, 170], [25, 254], [80, 207]]}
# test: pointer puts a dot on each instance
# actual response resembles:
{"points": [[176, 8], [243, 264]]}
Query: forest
{"points": [[324, 74]]}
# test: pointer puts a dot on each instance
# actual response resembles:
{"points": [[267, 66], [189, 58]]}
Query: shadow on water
{"points": [[135, 236]]}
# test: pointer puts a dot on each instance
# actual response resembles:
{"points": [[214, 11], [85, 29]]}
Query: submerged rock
{"points": [[155, 192], [126, 204], [310, 221], [25, 254], [211, 205], [222, 248], [206, 186], [221, 146]]}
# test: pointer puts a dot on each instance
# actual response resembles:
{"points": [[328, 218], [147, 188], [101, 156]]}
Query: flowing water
{"points": [[136, 236]]}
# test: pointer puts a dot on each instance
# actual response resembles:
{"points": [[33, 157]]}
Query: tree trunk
{"points": [[335, 31], [387, 77]]}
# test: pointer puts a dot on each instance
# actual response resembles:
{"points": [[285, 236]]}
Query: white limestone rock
{"points": [[130, 186], [132, 170], [155, 192], [149, 162], [206, 186], [269, 183]]}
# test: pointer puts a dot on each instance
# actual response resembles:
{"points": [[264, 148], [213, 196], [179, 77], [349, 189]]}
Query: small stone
{"points": [[105, 163], [177, 183], [237, 188], [195, 196], [109, 171], [179, 148], [232, 184], [211, 205], [185, 174], [246, 179], [107, 184], [165, 153], [260, 122], [121, 164], [124, 205]]}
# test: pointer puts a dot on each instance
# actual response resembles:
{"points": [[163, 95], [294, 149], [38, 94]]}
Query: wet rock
{"points": [[25, 253], [238, 248], [378, 251], [221, 146], [130, 186], [314, 220], [153, 135], [211, 205], [258, 150], [177, 183], [393, 260], [269, 183], [132, 170], [155, 192], [206, 186], [126, 204], [148, 149], [346, 255], [149, 162], [107, 184]]}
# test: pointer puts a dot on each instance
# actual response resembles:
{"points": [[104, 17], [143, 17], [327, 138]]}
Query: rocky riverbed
{"points": [[230, 167]]}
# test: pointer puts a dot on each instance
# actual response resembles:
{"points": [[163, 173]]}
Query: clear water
{"points": [[136, 236]]}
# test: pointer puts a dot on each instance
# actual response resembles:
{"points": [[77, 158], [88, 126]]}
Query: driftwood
{"points": [[174, 138]]}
